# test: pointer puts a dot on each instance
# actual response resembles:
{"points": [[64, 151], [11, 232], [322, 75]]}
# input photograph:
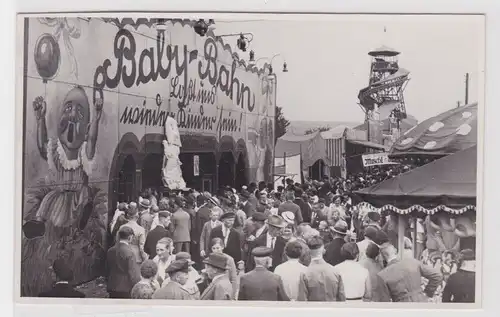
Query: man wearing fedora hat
{"points": [[178, 272], [231, 237], [273, 240], [333, 255], [260, 284], [248, 207], [220, 288], [193, 276], [63, 276]]}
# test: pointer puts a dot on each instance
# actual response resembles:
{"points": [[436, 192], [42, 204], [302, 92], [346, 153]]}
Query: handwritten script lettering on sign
{"points": [[169, 60]]}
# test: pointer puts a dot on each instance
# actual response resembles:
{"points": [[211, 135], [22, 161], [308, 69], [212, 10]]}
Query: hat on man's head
{"points": [[288, 216], [371, 232], [468, 255], [227, 215], [259, 216], [373, 216], [214, 200], [276, 221], [62, 270], [340, 227], [184, 256], [178, 266], [145, 203], [381, 238], [216, 260], [261, 252]]}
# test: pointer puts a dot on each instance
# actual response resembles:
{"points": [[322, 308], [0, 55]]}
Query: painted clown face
{"points": [[74, 120]]}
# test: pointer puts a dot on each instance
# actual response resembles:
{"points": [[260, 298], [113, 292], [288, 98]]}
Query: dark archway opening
{"points": [[200, 178], [316, 171], [151, 171], [241, 172], [126, 180], [226, 169]]}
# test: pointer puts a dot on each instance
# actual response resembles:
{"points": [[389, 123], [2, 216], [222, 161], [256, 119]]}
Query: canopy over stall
{"points": [[446, 184], [446, 133]]}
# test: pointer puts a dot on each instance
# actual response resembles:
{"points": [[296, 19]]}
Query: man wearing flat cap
{"points": [[260, 284], [231, 237], [145, 215], [220, 288], [63, 276], [178, 272], [273, 240]]}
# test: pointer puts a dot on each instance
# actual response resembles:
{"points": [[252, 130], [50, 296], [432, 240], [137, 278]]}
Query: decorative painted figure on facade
{"points": [[70, 159], [67, 216]]}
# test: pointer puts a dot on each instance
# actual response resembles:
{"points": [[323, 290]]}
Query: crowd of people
{"points": [[299, 242]]}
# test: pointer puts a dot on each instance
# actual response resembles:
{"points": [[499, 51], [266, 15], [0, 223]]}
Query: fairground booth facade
{"points": [[97, 94]]}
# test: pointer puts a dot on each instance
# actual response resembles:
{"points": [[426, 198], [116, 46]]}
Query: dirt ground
{"points": [[94, 289]]}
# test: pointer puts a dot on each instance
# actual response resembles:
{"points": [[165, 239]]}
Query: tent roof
{"points": [[449, 181], [312, 147], [446, 133]]}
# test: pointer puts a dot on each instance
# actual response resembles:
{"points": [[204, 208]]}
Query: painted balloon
{"points": [[47, 56]]}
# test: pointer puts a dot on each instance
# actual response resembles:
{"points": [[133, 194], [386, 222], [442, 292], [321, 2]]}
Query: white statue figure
{"points": [[171, 173]]}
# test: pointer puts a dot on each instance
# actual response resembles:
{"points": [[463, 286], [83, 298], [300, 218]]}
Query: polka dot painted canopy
{"points": [[447, 133]]}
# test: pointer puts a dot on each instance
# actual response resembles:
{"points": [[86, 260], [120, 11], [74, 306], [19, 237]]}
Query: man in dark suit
{"points": [[123, 270], [271, 239], [159, 232], [248, 207], [289, 205], [62, 288], [305, 209], [260, 284], [332, 255], [229, 235]]}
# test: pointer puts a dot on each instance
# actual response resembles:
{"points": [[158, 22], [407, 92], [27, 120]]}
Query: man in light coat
{"points": [[220, 288], [181, 226], [401, 280], [139, 238], [321, 281]]}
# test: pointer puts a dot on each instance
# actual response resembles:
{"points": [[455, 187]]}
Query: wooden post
{"points": [[415, 231], [401, 235]]}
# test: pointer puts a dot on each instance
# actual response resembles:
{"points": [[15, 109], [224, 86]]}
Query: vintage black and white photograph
{"points": [[327, 158]]}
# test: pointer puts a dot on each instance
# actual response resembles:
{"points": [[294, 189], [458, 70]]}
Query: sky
{"points": [[328, 61]]}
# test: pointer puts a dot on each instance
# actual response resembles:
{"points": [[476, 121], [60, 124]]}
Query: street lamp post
{"points": [[270, 66]]}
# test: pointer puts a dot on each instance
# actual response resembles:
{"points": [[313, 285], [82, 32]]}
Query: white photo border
{"points": [[102, 308]]}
